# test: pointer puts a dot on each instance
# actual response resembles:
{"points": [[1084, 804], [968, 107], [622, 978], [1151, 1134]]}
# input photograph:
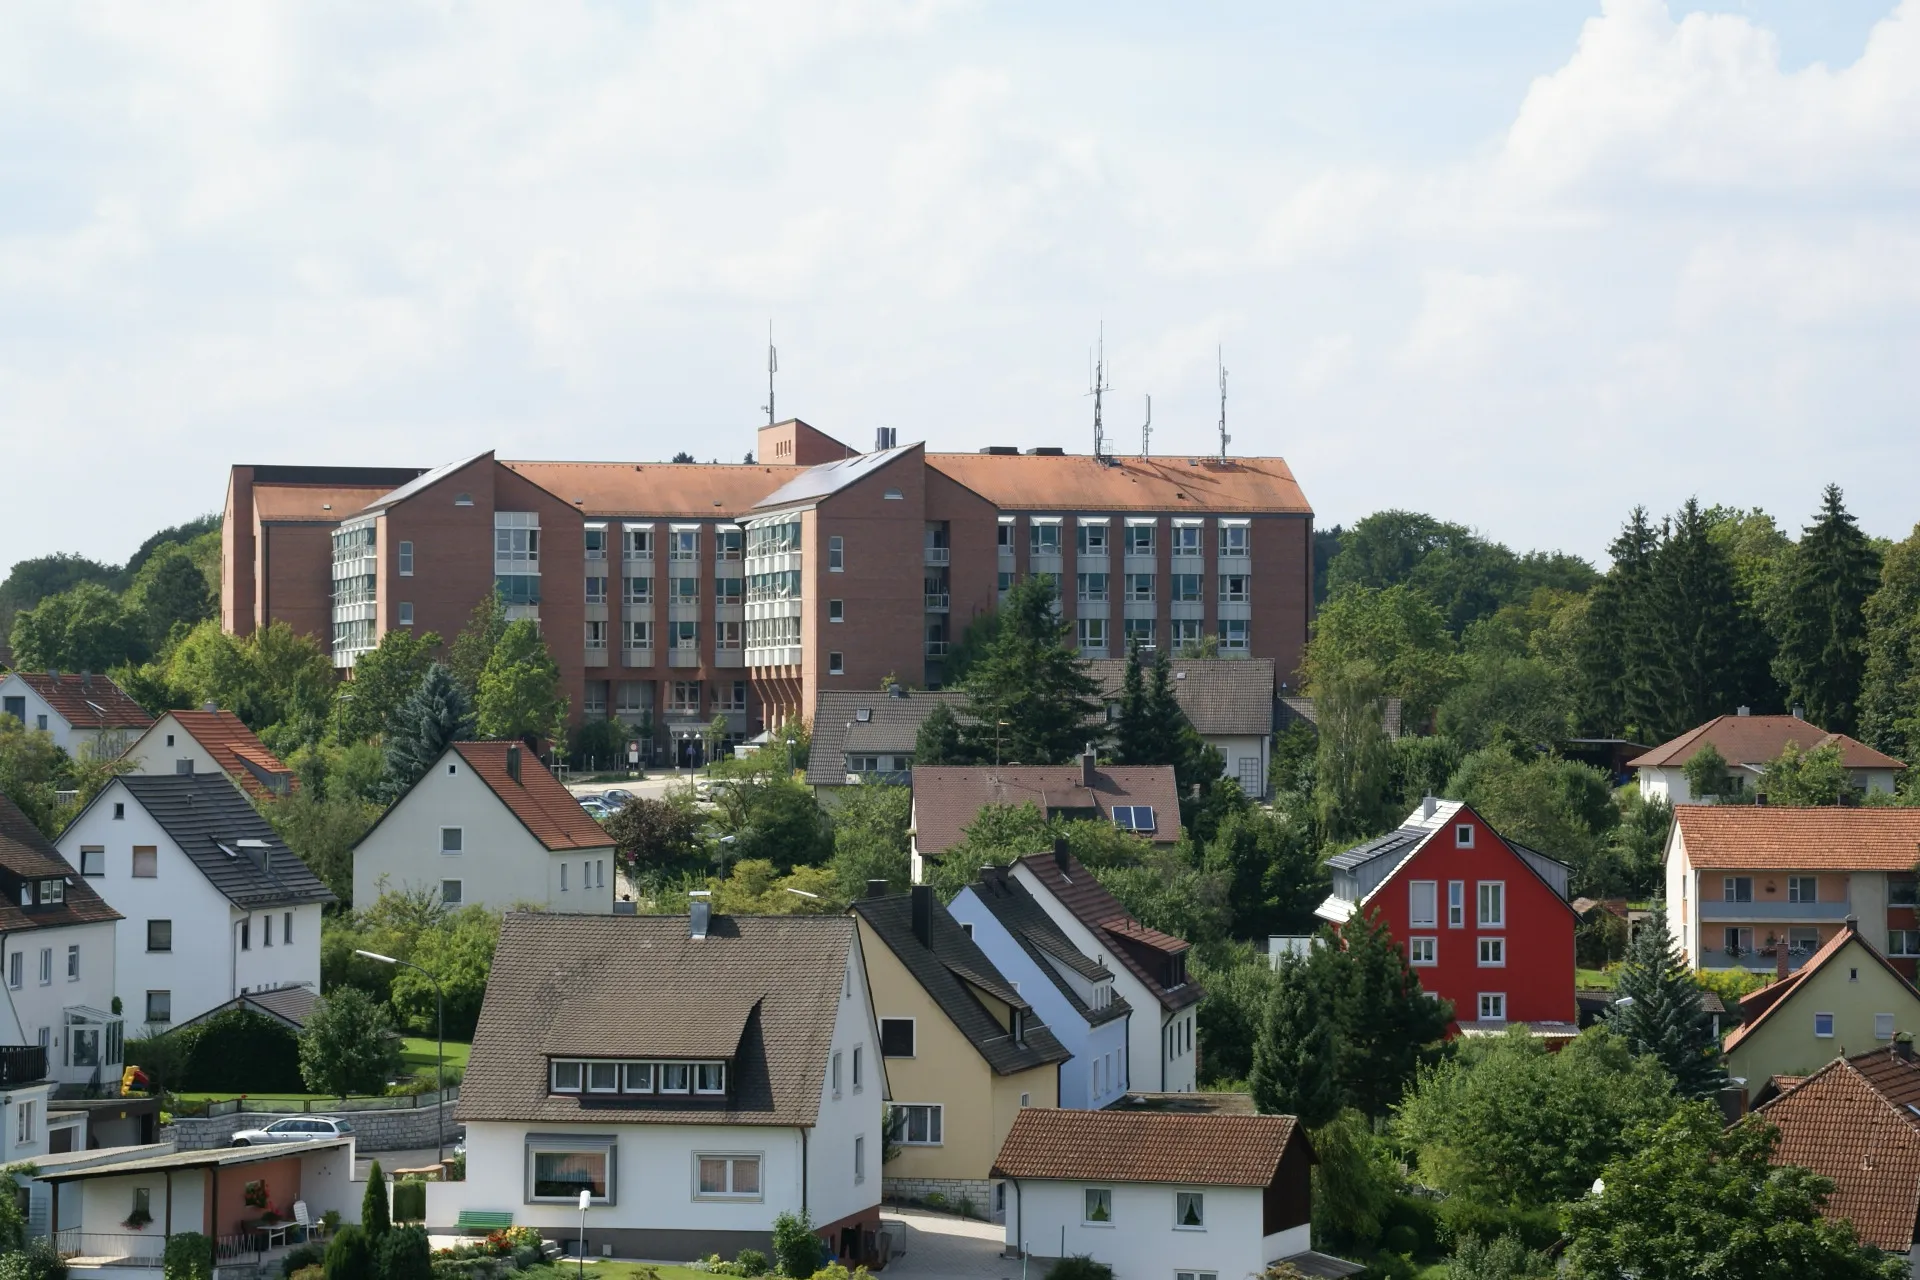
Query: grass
{"points": [[1595, 979], [1434, 1271]]}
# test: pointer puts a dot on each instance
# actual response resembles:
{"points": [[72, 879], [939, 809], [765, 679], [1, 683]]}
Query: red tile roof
{"points": [[1757, 1006], [237, 749], [1853, 1121], [311, 503], [1142, 950], [548, 809], [1832, 838], [947, 798], [1758, 739], [1144, 1146], [87, 701], [27, 853]]}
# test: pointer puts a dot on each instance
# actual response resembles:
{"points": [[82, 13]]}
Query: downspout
{"points": [[803, 1169]]}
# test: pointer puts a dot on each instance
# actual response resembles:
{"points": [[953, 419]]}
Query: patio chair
{"points": [[309, 1229]]}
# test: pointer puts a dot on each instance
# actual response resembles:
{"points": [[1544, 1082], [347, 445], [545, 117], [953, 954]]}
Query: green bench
{"points": [[482, 1220]]}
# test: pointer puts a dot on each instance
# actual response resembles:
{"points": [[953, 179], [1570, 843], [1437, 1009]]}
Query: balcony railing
{"points": [[1714, 909], [936, 648], [22, 1064], [938, 555], [121, 1249], [938, 601]]}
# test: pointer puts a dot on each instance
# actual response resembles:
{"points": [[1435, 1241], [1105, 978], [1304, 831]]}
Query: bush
{"points": [[523, 1237], [405, 1255], [302, 1257], [189, 1256], [349, 1256], [37, 1261], [375, 1218], [1503, 1259], [1462, 1217], [309, 1273], [1080, 1267], [751, 1262], [795, 1245], [1418, 1215], [241, 1051], [410, 1200]]}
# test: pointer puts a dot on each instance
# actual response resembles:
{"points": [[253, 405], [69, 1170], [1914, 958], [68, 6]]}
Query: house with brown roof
{"points": [[1744, 881], [1847, 997], [1748, 743], [696, 1075], [1857, 1122], [1143, 799], [1228, 701], [488, 824], [862, 737], [81, 712], [211, 741], [1157, 1195]]}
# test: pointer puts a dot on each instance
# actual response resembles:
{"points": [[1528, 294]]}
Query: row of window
{"points": [[1140, 588], [635, 697], [636, 543], [680, 591], [1176, 1037], [1138, 538], [591, 1076], [559, 1173], [1425, 951], [681, 634], [779, 633], [781, 538], [1423, 904], [146, 858], [17, 967], [1235, 634], [1189, 1214]]}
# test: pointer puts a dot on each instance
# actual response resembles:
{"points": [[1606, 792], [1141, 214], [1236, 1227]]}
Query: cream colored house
{"points": [[964, 1050], [1846, 1000], [210, 741]]}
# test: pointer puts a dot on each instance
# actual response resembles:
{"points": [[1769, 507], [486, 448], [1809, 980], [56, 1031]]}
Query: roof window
{"points": [[1133, 817]]}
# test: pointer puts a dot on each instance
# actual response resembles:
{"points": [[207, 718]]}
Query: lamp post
{"points": [[440, 1046], [586, 1198]]}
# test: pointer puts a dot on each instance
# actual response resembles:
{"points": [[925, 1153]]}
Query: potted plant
{"points": [[138, 1219], [255, 1195]]}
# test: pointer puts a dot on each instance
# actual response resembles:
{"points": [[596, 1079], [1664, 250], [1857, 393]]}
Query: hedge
{"points": [[236, 1051]]}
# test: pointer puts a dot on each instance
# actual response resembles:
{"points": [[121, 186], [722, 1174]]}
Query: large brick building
{"points": [[673, 593]]}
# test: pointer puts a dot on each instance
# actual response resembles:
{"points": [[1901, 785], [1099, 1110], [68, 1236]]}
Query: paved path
{"points": [[940, 1247]]}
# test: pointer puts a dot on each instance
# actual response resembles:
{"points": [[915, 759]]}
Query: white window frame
{"points": [[936, 1123], [836, 554], [1456, 904], [643, 1071], [1501, 1006], [404, 559], [1730, 888], [1496, 948], [1415, 920], [833, 1073], [1463, 835], [1818, 1033], [1883, 1027], [682, 1071], [459, 893], [459, 841], [1087, 1203], [600, 1066], [1199, 1199], [701, 1088], [1423, 952], [1481, 918], [858, 1083], [859, 1158], [73, 962], [577, 1066], [836, 611], [731, 1159], [547, 1144], [153, 861], [836, 663]]}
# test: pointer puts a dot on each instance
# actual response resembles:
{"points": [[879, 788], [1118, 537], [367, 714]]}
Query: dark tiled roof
{"points": [[87, 701], [1396, 844], [1220, 696], [1130, 941], [1755, 740], [1145, 1146], [291, 1005], [201, 812], [946, 798], [1854, 1121], [1010, 903], [245, 758], [1290, 707], [891, 728], [547, 809], [945, 966], [29, 855], [553, 972], [1830, 838], [1757, 1006]]}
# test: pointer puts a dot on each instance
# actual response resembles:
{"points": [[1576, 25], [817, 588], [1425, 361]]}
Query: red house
{"points": [[1484, 921]]}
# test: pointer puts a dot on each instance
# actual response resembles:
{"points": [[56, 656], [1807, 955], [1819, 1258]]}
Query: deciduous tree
{"points": [[85, 628], [384, 680], [520, 687], [348, 1045]]}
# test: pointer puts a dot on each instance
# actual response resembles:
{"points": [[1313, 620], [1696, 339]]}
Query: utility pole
{"points": [[1220, 359]]}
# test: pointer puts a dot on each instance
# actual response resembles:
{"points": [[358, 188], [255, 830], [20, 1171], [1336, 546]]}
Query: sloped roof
{"points": [[311, 504], [1008, 901], [946, 798], [87, 701], [1145, 1146], [1854, 1121], [945, 966], [1221, 697], [237, 749], [1078, 482], [1832, 837], [26, 853], [1756, 740], [828, 478], [423, 481], [891, 728], [547, 808], [290, 1005], [1297, 706], [786, 971], [1758, 1006], [655, 490], [1087, 900], [208, 818]]}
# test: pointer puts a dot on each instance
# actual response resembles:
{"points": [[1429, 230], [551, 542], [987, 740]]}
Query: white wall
{"points": [[1682, 885], [832, 1192], [11, 1149], [500, 863], [1141, 1242], [33, 1006], [1250, 747], [150, 753]]}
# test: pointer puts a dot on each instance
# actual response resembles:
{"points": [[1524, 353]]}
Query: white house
{"points": [[1149, 968], [210, 741], [213, 903], [1228, 701], [1748, 743], [488, 824], [1163, 1196], [697, 1075], [1071, 992], [83, 713], [56, 958]]}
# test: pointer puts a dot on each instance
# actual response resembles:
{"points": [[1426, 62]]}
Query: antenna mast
{"points": [[1099, 388], [1224, 437], [1146, 431], [773, 367]]}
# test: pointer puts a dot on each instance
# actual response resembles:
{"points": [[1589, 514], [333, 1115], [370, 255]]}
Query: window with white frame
{"points": [[836, 554], [638, 635], [726, 636], [683, 636], [596, 634], [93, 860], [833, 1072], [637, 544], [1803, 889], [1097, 1206], [451, 892], [596, 541], [675, 1077], [1138, 588], [857, 1084], [917, 1124], [1189, 1210], [685, 697], [1493, 953], [1736, 889], [1196, 1275], [1092, 537], [727, 1177], [1903, 942], [636, 591], [1883, 1026], [1823, 1025], [1234, 537], [405, 614], [1421, 904], [859, 1157], [1188, 539], [728, 591], [596, 588], [1234, 588], [1093, 588], [159, 1006], [1493, 904], [683, 591], [836, 663], [560, 1168], [1043, 537], [46, 963], [1463, 835], [1456, 904], [1140, 538], [1093, 632], [15, 970], [1422, 951], [1235, 635], [73, 962], [1493, 1006], [405, 557], [516, 538], [683, 544], [452, 839], [1004, 536]]}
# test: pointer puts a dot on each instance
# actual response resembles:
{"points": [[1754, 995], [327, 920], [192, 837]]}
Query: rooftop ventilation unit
{"points": [[1001, 450], [1046, 451]]}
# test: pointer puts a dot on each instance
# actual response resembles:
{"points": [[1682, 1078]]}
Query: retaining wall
{"points": [[407, 1130]]}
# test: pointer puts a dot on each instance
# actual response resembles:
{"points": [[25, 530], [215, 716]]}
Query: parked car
{"points": [[616, 797], [594, 807], [294, 1129]]}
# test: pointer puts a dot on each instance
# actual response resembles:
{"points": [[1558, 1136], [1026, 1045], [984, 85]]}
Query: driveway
{"points": [[940, 1247]]}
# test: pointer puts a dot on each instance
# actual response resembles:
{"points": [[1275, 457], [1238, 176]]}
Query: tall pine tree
{"points": [[938, 739], [1293, 1052], [1614, 641], [1658, 1011], [1132, 745], [1030, 690], [1890, 697], [1821, 620], [436, 715], [1694, 615]]}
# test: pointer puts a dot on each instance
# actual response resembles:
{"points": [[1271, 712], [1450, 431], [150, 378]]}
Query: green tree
{"points": [[1277, 879], [1353, 766], [1802, 779], [1294, 1069], [374, 1217], [1658, 1011], [520, 687], [1890, 691], [168, 591], [1561, 808], [350, 1255], [938, 740], [1505, 1257], [85, 628], [279, 682], [348, 1046], [1132, 735], [13, 1223], [35, 1261], [1505, 695], [1693, 1198], [1821, 618], [31, 581], [458, 949], [1030, 689], [1237, 980], [406, 1254], [1399, 633], [321, 824], [188, 1255], [657, 839], [795, 1248], [870, 838], [473, 647], [1706, 641], [1706, 772], [1354, 1181], [1616, 641], [775, 819], [385, 680], [1387, 1025], [435, 716], [31, 770]]}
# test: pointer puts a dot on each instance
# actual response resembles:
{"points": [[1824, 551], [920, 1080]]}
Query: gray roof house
{"points": [[860, 736], [1229, 702]]}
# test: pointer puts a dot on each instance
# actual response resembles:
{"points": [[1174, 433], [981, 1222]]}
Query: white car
{"points": [[295, 1129]]}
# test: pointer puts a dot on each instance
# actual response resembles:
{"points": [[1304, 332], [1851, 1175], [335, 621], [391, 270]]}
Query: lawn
{"points": [[1595, 979], [416, 1054]]}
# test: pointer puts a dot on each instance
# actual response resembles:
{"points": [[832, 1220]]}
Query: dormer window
{"points": [[52, 892], [1177, 971], [675, 1077], [566, 1076], [710, 1077], [612, 1076], [603, 1077]]}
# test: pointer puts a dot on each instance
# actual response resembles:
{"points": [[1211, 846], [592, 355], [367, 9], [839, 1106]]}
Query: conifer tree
{"points": [[1387, 1022], [1890, 696], [938, 739], [1293, 1053], [1658, 1011], [374, 1217], [434, 716], [1821, 620], [1694, 616], [1131, 746], [1614, 642], [1030, 689]]}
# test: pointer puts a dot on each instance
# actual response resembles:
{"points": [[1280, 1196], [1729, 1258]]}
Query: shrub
{"points": [[349, 1256], [1419, 1215], [302, 1257], [1080, 1267], [309, 1273], [410, 1200], [189, 1256], [37, 1261], [242, 1051], [1400, 1238], [795, 1245], [523, 1237], [405, 1255], [751, 1262], [375, 1219], [1503, 1259], [1462, 1217]]}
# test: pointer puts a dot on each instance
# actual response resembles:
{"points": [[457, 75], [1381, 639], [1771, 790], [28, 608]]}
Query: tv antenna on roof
{"points": [[1099, 388], [1224, 437], [1146, 430], [773, 367]]}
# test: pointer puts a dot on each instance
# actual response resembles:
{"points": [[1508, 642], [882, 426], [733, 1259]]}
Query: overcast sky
{"points": [[1519, 263]]}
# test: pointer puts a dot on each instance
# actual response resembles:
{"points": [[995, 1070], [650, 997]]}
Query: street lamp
{"points": [[440, 1044], [586, 1198]]}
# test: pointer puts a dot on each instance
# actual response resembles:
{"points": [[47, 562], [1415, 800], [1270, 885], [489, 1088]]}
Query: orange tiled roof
{"points": [[1829, 838], [1076, 482], [1853, 1121], [548, 809], [1758, 739], [88, 701], [318, 503], [1142, 1146], [661, 490], [1757, 1006], [235, 746], [947, 798]]}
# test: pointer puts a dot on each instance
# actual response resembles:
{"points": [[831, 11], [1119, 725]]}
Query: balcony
{"points": [[683, 657], [938, 555], [636, 657], [22, 1064], [936, 648], [938, 602], [1806, 912]]}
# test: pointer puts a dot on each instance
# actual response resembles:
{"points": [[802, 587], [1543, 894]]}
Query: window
{"points": [[836, 663], [836, 611], [1138, 588], [833, 1070], [159, 1006], [1737, 941], [46, 965], [1186, 538], [1044, 539], [596, 634], [1233, 539], [1133, 817], [266, 928], [1234, 588], [566, 1076], [1099, 1206], [452, 839], [93, 860], [683, 591], [683, 544], [686, 697], [1493, 904], [146, 862], [1421, 908], [1493, 1006], [638, 543], [603, 1077], [729, 1177], [1196, 1275], [730, 697], [1186, 631], [1140, 539], [1139, 631], [119, 811], [1493, 953], [1421, 951], [836, 554], [1736, 889], [1006, 537], [596, 542], [638, 1077], [896, 1037], [1823, 1025], [24, 1126], [451, 892], [710, 1077], [1189, 1210], [1092, 632], [1093, 588], [1234, 635], [1903, 942], [1901, 892], [859, 1157], [675, 1077], [596, 588], [726, 636], [1004, 582], [1803, 889], [516, 538], [728, 542], [14, 970], [405, 616], [639, 635], [1092, 538], [563, 877], [246, 934], [562, 1174], [917, 1124], [52, 891], [73, 963], [1803, 939], [856, 1062], [286, 928], [1883, 1026], [406, 559], [683, 635], [1456, 904], [1463, 835], [636, 591]]}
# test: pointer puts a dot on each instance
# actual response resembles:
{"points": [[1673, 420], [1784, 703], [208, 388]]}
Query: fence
{"points": [[310, 1106]]}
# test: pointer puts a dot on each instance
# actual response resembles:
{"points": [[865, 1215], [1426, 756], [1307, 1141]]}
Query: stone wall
{"points": [[953, 1191], [398, 1130]]}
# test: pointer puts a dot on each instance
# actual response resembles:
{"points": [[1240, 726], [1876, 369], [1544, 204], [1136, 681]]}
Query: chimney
{"points": [[86, 679], [699, 913], [1760, 798], [1427, 806], [876, 888], [53, 673], [209, 706], [1060, 853], [1853, 924], [923, 914], [513, 761], [895, 690], [1781, 966], [1087, 762], [1744, 711], [1799, 712], [1903, 1046], [994, 878]]}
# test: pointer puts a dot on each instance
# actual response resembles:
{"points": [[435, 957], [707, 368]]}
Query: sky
{"points": [[1522, 264]]}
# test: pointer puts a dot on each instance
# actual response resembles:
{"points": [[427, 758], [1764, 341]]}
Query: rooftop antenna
{"points": [[773, 367], [1219, 358], [1099, 388], [1146, 431]]}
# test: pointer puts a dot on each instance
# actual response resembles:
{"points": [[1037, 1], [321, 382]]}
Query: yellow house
{"points": [[1846, 999], [964, 1052]]}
